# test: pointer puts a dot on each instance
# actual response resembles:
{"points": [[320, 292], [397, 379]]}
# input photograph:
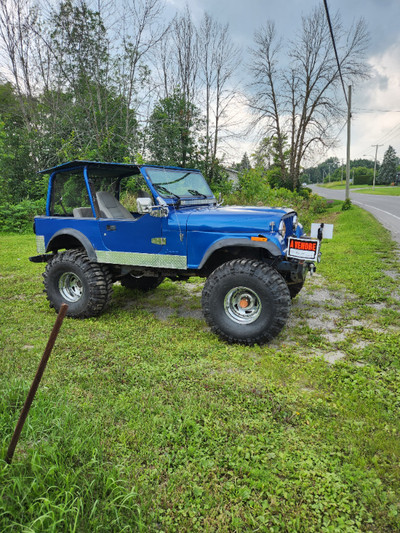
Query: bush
{"points": [[306, 204], [363, 176], [18, 218], [305, 192], [346, 205], [253, 185]]}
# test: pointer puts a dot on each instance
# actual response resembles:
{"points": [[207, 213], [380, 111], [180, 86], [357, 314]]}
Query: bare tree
{"points": [[218, 61], [18, 48], [178, 58], [295, 99], [141, 29]]}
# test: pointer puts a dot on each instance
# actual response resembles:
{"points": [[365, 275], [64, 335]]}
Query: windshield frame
{"points": [[163, 179]]}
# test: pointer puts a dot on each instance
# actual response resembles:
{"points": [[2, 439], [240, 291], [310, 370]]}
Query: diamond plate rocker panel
{"points": [[40, 246], [136, 259]]}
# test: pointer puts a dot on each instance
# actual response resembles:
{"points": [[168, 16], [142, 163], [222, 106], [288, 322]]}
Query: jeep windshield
{"points": [[180, 184]]}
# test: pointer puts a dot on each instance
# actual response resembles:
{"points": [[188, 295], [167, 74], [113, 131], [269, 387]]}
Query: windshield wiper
{"points": [[193, 192], [164, 190]]}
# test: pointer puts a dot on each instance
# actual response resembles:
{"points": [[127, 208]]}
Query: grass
{"points": [[381, 190], [341, 185], [364, 189], [142, 424]]}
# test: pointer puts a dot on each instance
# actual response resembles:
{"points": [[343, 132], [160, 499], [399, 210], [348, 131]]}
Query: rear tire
{"points": [[246, 302], [86, 287]]}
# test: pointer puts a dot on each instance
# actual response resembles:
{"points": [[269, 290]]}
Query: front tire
{"points": [[86, 287], [246, 302]]}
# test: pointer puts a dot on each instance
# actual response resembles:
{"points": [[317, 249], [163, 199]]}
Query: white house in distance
{"points": [[233, 176]]}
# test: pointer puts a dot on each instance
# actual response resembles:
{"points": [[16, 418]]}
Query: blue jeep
{"points": [[138, 224]]}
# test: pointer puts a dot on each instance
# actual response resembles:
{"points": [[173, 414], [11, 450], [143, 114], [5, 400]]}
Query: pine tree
{"points": [[387, 173], [245, 163]]}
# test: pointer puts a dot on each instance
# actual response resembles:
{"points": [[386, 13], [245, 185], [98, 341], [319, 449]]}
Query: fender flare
{"points": [[246, 243], [71, 232]]}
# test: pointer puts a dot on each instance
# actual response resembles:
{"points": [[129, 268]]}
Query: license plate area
{"points": [[303, 249]]}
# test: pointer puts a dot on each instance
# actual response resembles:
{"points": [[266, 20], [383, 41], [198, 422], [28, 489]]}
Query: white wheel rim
{"points": [[242, 305], [70, 286]]}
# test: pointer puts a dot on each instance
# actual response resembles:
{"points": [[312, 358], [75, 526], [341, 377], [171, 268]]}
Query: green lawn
{"points": [[381, 190], [364, 189], [145, 421], [340, 185]]}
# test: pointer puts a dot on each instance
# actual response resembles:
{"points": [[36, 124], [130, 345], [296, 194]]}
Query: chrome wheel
{"points": [[70, 286], [242, 305]]}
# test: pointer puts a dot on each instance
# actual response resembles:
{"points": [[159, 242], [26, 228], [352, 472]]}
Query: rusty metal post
{"points": [[36, 382]]}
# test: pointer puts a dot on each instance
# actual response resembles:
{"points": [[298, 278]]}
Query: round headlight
{"points": [[282, 228]]}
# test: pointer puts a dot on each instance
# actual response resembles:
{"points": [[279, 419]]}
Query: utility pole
{"points": [[348, 146], [376, 155]]}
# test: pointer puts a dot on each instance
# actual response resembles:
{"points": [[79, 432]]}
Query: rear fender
{"points": [[71, 238]]}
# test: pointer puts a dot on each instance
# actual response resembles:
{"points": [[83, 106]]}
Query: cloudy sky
{"points": [[376, 102]]}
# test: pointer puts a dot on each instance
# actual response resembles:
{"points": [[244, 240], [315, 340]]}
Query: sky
{"points": [[375, 103]]}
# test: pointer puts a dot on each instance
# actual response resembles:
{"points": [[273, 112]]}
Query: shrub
{"points": [[346, 205], [18, 218], [363, 176], [305, 192], [306, 204]]}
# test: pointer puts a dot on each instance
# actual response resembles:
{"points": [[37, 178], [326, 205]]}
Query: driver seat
{"points": [[110, 207]]}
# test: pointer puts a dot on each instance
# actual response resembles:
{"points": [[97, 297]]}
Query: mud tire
{"points": [[70, 277], [246, 302]]}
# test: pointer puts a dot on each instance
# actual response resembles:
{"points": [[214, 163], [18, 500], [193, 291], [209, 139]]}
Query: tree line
{"points": [[115, 81], [361, 170]]}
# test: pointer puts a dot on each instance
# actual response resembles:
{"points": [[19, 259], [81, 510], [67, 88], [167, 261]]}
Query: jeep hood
{"points": [[235, 219]]}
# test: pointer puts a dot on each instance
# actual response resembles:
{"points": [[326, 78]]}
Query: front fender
{"points": [[271, 247]]}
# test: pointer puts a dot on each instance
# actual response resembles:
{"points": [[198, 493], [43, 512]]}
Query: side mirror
{"points": [[144, 205]]}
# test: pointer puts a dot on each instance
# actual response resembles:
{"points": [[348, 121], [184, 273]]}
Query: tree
{"points": [[173, 131], [83, 109], [244, 163], [178, 57], [78, 83], [296, 98], [19, 179], [387, 172], [218, 60], [201, 60]]}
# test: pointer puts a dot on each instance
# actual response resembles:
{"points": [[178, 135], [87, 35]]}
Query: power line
{"points": [[393, 133], [386, 137], [334, 47], [360, 110]]}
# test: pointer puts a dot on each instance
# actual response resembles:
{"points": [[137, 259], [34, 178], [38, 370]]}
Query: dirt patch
{"points": [[332, 357], [165, 313], [392, 274], [320, 317]]}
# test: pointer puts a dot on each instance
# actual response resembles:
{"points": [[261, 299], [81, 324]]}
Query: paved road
{"points": [[386, 209]]}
